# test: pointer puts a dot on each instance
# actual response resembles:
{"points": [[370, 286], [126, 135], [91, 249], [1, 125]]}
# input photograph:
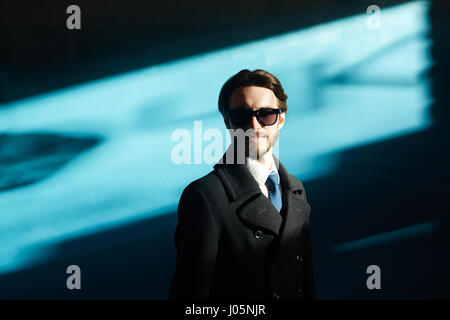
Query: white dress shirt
{"points": [[261, 173]]}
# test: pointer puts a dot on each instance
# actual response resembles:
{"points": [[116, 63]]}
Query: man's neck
{"points": [[266, 160]]}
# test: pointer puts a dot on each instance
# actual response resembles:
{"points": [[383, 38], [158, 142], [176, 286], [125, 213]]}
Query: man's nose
{"points": [[254, 124]]}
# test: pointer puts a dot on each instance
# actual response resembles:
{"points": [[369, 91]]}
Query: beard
{"points": [[258, 148], [252, 144]]}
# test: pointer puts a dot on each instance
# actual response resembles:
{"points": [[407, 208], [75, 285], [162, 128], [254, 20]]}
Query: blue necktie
{"points": [[274, 190]]}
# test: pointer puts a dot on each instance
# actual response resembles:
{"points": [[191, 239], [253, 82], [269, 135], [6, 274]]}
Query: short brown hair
{"points": [[245, 78]]}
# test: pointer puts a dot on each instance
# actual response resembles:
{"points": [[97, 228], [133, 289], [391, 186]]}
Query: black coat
{"points": [[233, 244]]}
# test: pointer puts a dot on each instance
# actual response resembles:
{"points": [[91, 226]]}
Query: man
{"points": [[243, 229]]}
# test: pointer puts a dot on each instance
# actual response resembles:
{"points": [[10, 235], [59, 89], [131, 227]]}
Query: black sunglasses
{"points": [[240, 117]]}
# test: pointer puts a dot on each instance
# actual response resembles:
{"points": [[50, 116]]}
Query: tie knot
{"points": [[272, 180]]}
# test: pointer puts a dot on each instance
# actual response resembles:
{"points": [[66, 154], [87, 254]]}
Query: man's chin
{"points": [[252, 149], [256, 153]]}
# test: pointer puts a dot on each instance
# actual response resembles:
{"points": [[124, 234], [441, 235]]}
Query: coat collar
{"points": [[239, 182], [256, 209]]}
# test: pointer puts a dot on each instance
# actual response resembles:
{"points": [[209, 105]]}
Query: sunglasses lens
{"points": [[240, 117], [268, 117]]}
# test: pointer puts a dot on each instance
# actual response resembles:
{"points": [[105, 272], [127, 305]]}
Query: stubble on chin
{"points": [[253, 149], [259, 149]]}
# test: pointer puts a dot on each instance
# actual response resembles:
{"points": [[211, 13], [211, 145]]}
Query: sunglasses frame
{"points": [[256, 113]]}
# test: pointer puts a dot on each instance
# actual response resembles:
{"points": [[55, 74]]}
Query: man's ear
{"points": [[281, 120]]}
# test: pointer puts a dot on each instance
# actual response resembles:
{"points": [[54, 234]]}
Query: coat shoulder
{"points": [[210, 186], [206, 183]]}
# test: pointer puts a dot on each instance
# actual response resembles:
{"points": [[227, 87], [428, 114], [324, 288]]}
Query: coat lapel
{"points": [[295, 208], [255, 209], [261, 213], [244, 194]]}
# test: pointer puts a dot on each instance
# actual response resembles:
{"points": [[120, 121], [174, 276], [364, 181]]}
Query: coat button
{"points": [[258, 234]]}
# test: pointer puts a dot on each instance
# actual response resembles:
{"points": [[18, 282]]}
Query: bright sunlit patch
{"points": [[418, 230]]}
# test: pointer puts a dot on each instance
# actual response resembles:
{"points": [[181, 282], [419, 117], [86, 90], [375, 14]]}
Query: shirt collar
{"points": [[259, 171]]}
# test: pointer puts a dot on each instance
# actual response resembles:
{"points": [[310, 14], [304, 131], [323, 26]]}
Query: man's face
{"points": [[255, 98]]}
